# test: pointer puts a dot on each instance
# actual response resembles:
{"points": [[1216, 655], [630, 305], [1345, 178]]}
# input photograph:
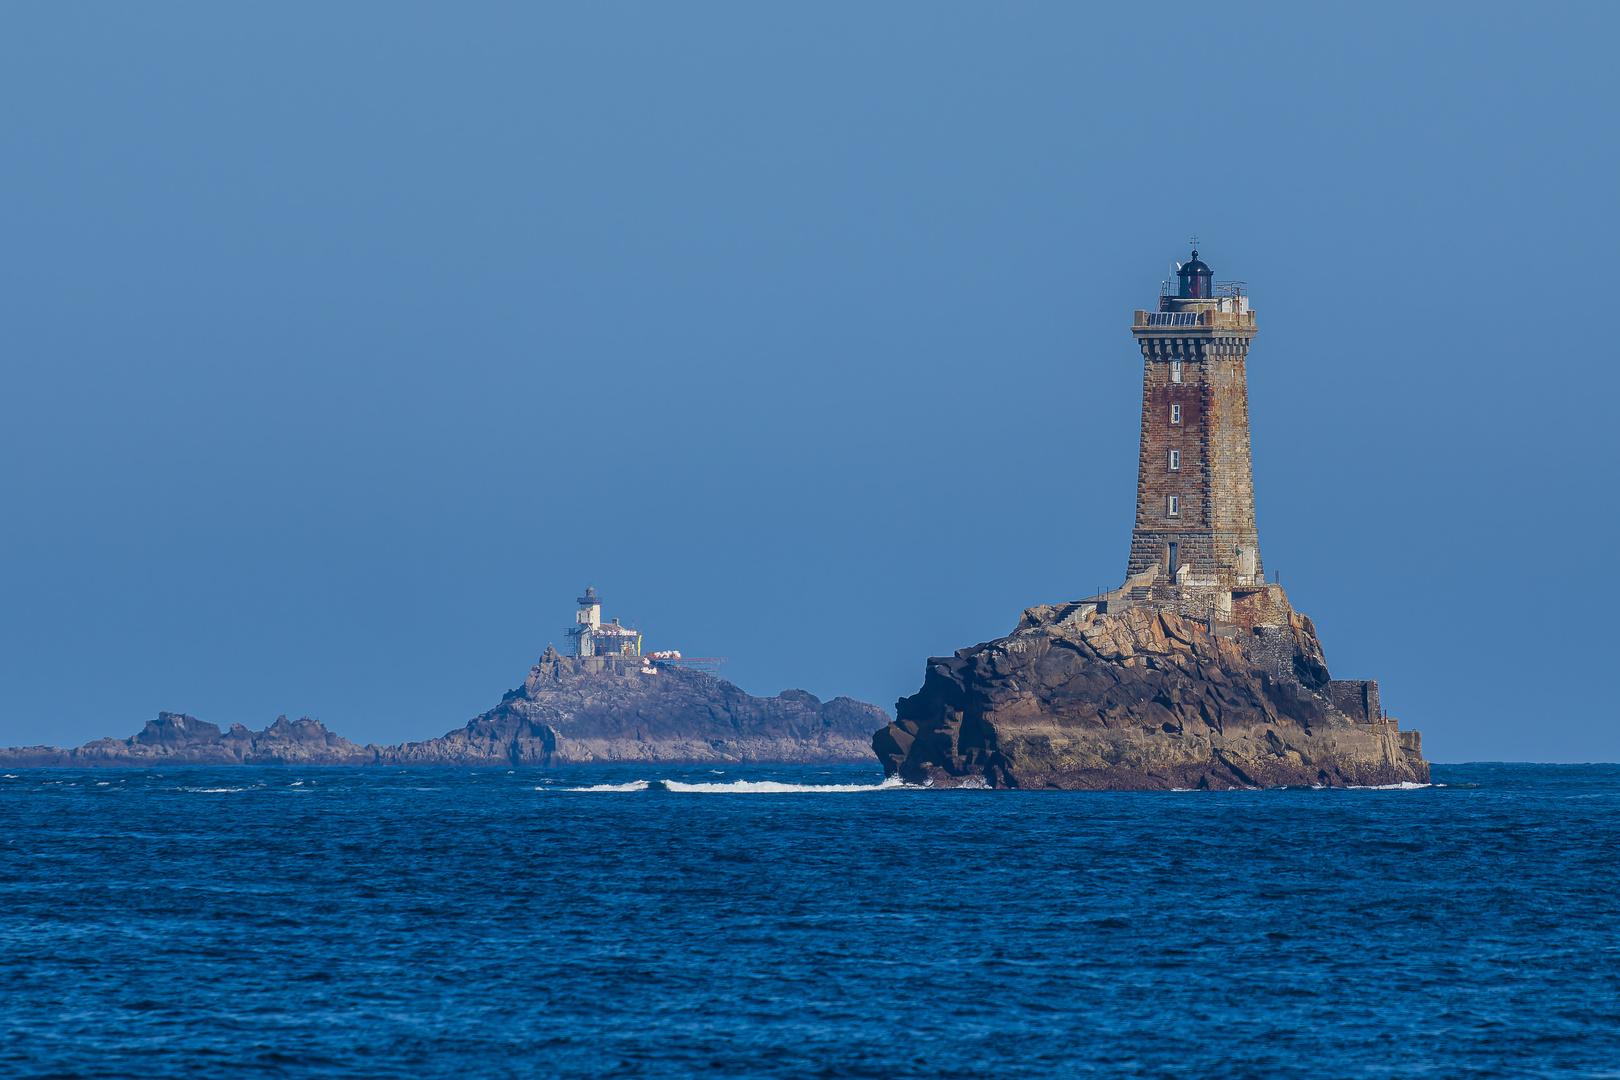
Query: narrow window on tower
{"points": [[1173, 506], [1175, 460], [1175, 371], [1175, 414]]}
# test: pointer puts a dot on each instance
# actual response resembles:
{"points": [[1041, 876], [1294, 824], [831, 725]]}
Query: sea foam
{"points": [[741, 787], [774, 787], [1404, 785]]}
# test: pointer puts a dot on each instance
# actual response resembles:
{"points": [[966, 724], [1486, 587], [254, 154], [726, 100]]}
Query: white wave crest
{"points": [[739, 787], [212, 790], [774, 787], [1404, 785]]}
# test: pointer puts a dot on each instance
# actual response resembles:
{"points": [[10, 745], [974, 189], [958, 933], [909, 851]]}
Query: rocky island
{"points": [[572, 710], [569, 711], [1196, 672], [1074, 698]]}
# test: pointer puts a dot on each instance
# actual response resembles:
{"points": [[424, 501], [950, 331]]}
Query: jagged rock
{"points": [[1142, 699], [569, 711]]}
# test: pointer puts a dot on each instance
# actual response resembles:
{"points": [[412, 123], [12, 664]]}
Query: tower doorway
{"points": [[1175, 550]]}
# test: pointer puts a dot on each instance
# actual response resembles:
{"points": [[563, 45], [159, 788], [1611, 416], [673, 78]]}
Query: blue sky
{"points": [[343, 345]]}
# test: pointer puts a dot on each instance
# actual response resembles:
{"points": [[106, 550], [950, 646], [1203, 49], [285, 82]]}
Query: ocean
{"points": [[809, 922]]}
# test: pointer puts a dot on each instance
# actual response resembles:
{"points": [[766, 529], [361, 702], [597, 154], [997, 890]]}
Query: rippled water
{"points": [[274, 922]]}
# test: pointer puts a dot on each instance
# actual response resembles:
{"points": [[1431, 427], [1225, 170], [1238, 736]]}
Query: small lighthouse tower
{"points": [[1195, 538], [590, 609]]}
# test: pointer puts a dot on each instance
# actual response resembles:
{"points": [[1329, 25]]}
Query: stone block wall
{"points": [[611, 665], [1265, 605], [1356, 698], [1215, 481], [1411, 744], [1231, 474], [1149, 548], [1272, 649]]}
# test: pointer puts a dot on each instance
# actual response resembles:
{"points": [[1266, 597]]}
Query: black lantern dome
{"points": [[1197, 279]]}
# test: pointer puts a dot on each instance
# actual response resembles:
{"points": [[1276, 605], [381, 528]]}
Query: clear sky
{"points": [[344, 344]]}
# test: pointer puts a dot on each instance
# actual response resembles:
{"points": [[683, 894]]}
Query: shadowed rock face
{"points": [[563, 714], [1140, 700]]}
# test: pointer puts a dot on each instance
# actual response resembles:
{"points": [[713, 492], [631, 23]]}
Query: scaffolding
{"points": [[607, 639]]}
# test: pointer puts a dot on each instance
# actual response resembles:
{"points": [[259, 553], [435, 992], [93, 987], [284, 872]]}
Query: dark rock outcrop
{"points": [[1144, 699], [569, 711]]}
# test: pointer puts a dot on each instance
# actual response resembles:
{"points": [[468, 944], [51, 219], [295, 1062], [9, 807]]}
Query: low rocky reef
{"points": [[180, 739], [1146, 699], [569, 711]]}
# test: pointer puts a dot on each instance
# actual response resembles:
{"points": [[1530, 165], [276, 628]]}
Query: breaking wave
{"points": [[774, 787], [740, 787], [1404, 785]]}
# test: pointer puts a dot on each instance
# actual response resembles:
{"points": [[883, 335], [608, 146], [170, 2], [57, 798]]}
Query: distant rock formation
{"points": [[599, 710], [181, 739], [570, 711], [1145, 698]]}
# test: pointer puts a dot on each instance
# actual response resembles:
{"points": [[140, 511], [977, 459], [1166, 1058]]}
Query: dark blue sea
{"points": [[438, 923]]}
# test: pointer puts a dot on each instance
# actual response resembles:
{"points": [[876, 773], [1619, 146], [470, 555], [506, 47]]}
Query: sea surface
{"points": [[247, 922]]}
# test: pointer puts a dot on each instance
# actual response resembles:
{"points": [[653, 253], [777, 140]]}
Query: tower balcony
{"points": [[1207, 317]]}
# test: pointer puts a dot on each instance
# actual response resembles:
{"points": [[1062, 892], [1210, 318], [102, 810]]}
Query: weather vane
{"points": [[1195, 243]]}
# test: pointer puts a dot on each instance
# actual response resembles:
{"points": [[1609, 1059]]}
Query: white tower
{"points": [[590, 609]]}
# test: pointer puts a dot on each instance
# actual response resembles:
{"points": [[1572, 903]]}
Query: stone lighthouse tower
{"points": [[1195, 539]]}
